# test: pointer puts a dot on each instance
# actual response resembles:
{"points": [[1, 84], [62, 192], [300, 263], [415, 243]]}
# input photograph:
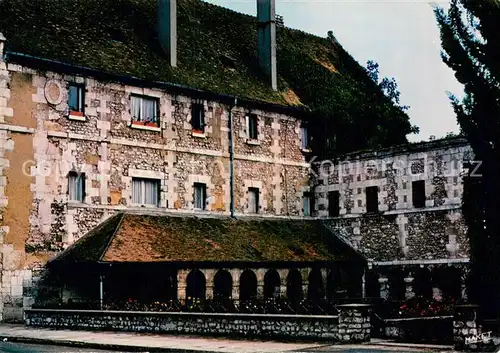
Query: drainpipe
{"points": [[231, 155]]}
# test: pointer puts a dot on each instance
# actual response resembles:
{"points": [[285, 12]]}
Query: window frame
{"points": [[305, 142], [334, 209], [308, 195], [372, 206], [143, 192], [418, 200], [203, 188], [252, 125], [79, 177], [80, 99], [139, 121], [256, 191], [198, 121]]}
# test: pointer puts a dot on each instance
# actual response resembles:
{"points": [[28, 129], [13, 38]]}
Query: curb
{"points": [[99, 346]]}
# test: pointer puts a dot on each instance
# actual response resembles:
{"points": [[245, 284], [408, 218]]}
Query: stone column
{"points": [[465, 326], [260, 273], [463, 283], [354, 323], [181, 285], [283, 281], [235, 275], [384, 287], [409, 293], [209, 284]]}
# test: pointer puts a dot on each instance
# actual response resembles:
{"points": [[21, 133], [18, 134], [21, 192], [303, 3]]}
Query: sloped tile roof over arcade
{"points": [[144, 238]]}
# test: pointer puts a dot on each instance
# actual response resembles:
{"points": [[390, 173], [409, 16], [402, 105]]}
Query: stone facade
{"points": [[250, 326], [42, 142], [416, 221]]}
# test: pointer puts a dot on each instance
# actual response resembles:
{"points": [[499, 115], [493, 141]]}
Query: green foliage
{"points": [[349, 111], [471, 47]]}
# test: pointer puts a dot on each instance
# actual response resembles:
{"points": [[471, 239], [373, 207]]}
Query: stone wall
{"points": [[287, 327], [354, 323], [400, 230]]}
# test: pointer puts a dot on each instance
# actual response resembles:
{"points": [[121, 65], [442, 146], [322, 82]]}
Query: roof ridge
{"points": [[101, 257]]}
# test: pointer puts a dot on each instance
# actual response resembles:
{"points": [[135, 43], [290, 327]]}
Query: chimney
{"points": [[167, 28], [266, 18]]}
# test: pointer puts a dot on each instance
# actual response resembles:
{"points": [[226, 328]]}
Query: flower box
{"points": [[145, 123]]}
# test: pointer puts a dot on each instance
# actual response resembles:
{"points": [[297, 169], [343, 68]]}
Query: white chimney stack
{"points": [[266, 19], [167, 28]]}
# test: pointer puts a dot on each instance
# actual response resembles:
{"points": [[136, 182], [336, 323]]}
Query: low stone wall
{"points": [[288, 327], [354, 323], [437, 330]]}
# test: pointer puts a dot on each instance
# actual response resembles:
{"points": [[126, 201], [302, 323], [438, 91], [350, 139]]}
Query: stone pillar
{"points": [[260, 273], [354, 323], [283, 281], [209, 284], [235, 275], [409, 293], [463, 284], [465, 326], [384, 287], [181, 285]]}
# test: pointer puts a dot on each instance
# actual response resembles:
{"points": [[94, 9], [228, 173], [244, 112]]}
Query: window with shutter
{"points": [[144, 111], [76, 99], [145, 191], [76, 186], [252, 126], [253, 200], [198, 117], [200, 197], [372, 199], [304, 137]]}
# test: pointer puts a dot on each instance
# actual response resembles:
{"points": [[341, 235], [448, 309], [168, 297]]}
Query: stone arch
{"points": [[294, 288], [315, 288], [446, 283], [372, 285], [271, 284], [223, 285], [248, 286], [397, 285], [196, 285], [422, 283]]}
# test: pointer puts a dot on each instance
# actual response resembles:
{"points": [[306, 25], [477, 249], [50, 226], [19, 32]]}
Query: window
{"points": [[145, 111], [76, 99], [308, 204], [334, 203], [252, 123], [304, 137], [145, 191], [198, 117], [200, 196], [418, 193], [253, 200], [76, 186], [372, 199]]}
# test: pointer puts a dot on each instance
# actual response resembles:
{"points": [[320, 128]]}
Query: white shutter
{"points": [[307, 206]]}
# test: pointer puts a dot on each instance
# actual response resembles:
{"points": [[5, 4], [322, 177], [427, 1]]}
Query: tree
{"points": [[388, 85], [471, 47]]}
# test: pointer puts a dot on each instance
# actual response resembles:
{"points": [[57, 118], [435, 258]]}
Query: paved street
{"points": [[102, 342]]}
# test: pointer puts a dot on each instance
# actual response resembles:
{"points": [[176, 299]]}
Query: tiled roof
{"points": [[217, 52], [151, 238]]}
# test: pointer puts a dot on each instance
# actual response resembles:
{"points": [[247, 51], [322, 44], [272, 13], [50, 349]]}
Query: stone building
{"points": [[105, 115], [400, 207]]}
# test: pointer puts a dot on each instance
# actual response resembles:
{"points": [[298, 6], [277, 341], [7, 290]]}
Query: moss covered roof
{"points": [[217, 53], [151, 238]]}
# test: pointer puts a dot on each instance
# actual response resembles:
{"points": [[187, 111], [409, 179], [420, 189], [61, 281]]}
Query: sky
{"points": [[401, 36]]}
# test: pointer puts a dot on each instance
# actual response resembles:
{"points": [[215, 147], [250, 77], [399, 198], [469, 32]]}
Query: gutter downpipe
{"points": [[231, 155]]}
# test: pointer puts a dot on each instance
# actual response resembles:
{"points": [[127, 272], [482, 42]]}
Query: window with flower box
{"points": [[76, 101], [145, 112]]}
